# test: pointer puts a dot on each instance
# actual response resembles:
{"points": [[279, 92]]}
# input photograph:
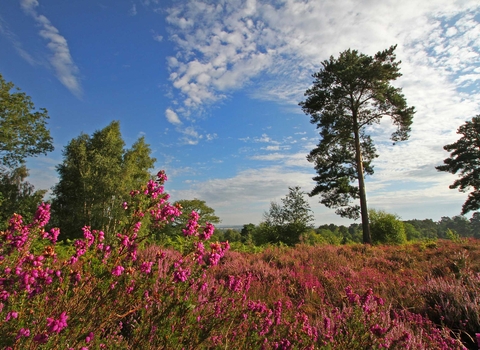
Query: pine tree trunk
{"points": [[367, 238]]}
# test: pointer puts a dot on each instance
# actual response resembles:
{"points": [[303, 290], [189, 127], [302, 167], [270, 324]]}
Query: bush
{"points": [[386, 228]]}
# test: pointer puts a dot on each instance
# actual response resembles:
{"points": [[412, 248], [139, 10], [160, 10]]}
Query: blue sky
{"points": [[214, 87]]}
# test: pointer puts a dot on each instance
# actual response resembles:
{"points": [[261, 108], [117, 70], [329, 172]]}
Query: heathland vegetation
{"points": [[110, 263]]}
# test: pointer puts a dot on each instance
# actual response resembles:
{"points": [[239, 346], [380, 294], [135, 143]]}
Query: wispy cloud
{"points": [[190, 135], [133, 10], [61, 60], [7, 33]]}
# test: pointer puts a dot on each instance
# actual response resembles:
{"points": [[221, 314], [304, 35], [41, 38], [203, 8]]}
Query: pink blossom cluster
{"points": [[192, 226], [57, 325], [217, 251], [42, 215], [164, 212]]}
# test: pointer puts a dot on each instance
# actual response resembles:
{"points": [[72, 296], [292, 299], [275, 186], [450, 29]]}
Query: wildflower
{"points": [[207, 232], [10, 315], [118, 270], [192, 225], [89, 337], [352, 297], [137, 226], [56, 326], [23, 332], [125, 205], [378, 330], [41, 338], [146, 267], [42, 215], [181, 275], [87, 234], [161, 177], [53, 235]]}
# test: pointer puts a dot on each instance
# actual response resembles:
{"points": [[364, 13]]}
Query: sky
{"points": [[214, 88]]}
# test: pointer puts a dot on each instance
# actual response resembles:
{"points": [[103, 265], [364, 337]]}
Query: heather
{"points": [[121, 290]]}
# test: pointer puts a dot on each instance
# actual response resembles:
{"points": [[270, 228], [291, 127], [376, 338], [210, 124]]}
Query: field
{"points": [[123, 292]]}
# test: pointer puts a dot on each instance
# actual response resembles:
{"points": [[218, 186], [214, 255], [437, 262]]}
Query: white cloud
{"points": [[172, 117], [244, 197], [190, 135], [133, 10], [211, 137], [61, 60], [157, 38]]}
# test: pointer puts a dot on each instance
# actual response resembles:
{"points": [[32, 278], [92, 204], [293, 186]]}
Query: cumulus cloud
{"points": [[61, 60], [172, 117]]}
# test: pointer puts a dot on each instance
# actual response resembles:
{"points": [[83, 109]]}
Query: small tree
{"points": [[287, 221], [23, 131], [349, 94], [96, 176], [386, 228], [465, 159]]}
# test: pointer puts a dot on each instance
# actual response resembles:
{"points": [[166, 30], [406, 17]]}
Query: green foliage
{"points": [[386, 228], [475, 224], [286, 222], [232, 235], [349, 94], [460, 224], [321, 236], [17, 195], [412, 233], [23, 131], [427, 228], [96, 176], [465, 159], [453, 236]]}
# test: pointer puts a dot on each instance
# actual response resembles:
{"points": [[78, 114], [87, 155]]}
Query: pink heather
{"points": [[118, 270], [42, 215], [56, 326]]}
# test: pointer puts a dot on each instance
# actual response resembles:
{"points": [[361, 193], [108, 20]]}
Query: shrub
{"points": [[386, 228]]}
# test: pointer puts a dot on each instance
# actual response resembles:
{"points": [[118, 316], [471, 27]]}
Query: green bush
{"points": [[386, 228]]}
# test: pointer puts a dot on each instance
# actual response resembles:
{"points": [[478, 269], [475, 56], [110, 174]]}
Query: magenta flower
{"points": [[53, 234], [192, 225], [118, 270], [23, 332], [10, 315], [87, 234], [146, 267], [41, 338], [56, 326], [207, 232], [181, 275], [161, 177], [89, 337], [42, 215]]}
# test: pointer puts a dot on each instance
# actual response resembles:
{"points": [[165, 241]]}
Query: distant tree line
{"points": [[402, 231]]}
